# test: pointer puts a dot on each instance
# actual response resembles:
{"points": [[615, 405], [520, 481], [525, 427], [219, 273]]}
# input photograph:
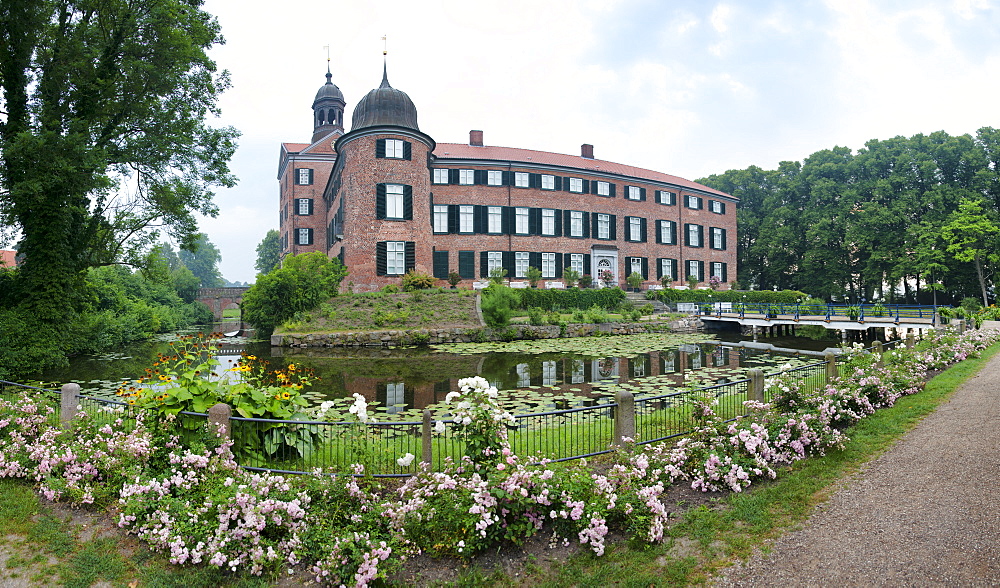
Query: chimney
{"points": [[476, 138], [587, 150]]}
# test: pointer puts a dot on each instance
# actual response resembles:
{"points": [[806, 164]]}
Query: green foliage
{"points": [[595, 314], [202, 258], [571, 277], [533, 275], [497, 303], [551, 299], [554, 318], [302, 283], [586, 280], [536, 316], [86, 112], [268, 252], [414, 280], [454, 278], [750, 296], [634, 280], [497, 275], [970, 305]]}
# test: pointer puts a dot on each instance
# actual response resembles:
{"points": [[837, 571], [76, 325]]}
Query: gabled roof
{"points": [[544, 158]]}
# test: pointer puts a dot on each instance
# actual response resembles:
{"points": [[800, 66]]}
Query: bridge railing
{"points": [[853, 312]]}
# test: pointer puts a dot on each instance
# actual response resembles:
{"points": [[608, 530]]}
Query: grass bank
{"points": [[707, 539]]}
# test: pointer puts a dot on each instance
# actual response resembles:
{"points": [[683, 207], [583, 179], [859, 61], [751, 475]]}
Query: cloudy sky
{"points": [[687, 87]]}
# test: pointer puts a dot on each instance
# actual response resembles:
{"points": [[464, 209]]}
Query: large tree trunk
{"points": [[982, 279]]}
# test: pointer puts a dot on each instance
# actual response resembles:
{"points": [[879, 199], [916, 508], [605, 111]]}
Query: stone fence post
{"points": [[878, 350], [960, 323], [218, 421], [425, 437], [69, 401], [624, 418], [909, 340], [831, 367], [755, 387]]}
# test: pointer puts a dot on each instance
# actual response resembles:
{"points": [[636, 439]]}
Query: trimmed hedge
{"points": [[748, 296], [571, 298]]}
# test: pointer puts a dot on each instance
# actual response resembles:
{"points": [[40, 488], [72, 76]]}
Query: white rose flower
{"points": [[405, 461], [439, 427]]}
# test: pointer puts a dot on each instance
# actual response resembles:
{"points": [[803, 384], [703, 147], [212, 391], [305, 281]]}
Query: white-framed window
{"points": [[575, 223], [440, 176], [523, 375], [635, 265], [395, 258], [634, 228], [466, 177], [494, 260], [692, 268], [718, 238], [603, 226], [716, 269], [394, 148], [304, 236], [633, 192], [667, 269], [303, 206], [304, 177], [521, 221], [576, 185], [548, 373], [465, 219], [548, 265], [521, 179], [548, 182], [395, 399], [440, 218], [665, 197], [520, 264], [692, 201], [603, 189], [493, 218], [694, 236], [666, 229], [577, 374], [393, 201], [494, 178], [716, 207], [548, 222], [576, 262]]}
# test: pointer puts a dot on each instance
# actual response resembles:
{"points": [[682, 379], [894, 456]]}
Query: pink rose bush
{"points": [[193, 502]]}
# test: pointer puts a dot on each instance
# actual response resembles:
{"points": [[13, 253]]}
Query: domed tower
{"points": [[328, 109], [381, 191]]}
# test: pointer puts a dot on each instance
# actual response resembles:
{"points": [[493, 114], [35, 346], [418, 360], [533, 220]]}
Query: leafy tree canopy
{"points": [[203, 260], [269, 252], [103, 136], [302, 283]]}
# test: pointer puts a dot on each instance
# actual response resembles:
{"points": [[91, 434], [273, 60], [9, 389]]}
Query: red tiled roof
{"points": [[513, 154], [294, 147], [7, 258]]}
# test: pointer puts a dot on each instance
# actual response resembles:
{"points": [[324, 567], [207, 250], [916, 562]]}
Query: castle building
{"points": [[386, 199]]}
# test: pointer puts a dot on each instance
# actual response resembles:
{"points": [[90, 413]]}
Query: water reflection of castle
{"points": [[397, 394]]}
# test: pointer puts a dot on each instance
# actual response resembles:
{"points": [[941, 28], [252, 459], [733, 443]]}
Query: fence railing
{"points": [[304, 446], [829, 312]]}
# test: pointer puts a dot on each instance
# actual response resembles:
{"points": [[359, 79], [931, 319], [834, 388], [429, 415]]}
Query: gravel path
{"points": [[925, 513]]}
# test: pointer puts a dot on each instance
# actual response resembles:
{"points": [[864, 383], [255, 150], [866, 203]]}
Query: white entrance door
{"points": [[605, 262]]}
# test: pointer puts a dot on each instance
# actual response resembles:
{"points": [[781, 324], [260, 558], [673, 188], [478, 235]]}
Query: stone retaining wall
{"points": [[393, 338]]}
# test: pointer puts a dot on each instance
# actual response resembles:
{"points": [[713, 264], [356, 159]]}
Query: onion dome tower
{"points": [[328, 109], [385, 106]]}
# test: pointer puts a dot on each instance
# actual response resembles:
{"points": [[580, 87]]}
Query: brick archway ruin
{"points": [[218, 299]]}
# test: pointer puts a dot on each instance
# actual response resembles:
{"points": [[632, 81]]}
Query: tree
{"points": [[203, 260], [972, 235], [104, 138], [269, 252], [302, 283]]}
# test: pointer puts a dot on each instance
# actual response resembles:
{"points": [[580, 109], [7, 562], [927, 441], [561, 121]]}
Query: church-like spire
{"points": [[328, 107]]}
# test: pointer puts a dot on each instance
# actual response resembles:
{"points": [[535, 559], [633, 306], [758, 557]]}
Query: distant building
{"points": [[385, 198], [8, 259]]}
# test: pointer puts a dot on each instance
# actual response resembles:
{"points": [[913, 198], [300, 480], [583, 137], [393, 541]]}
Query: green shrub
{"points": [[390, 289], [970, 305], [536, 316], [497, 275], [454, 278], [303, 282], [554, 318], [578, 316], [497, 303], [414, 280], [595, 314], [533, 276]]}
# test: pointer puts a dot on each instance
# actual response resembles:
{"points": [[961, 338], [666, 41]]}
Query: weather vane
{"points": [[327, 47]]}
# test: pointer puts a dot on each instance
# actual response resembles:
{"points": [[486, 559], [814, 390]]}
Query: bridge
{"points": [[220, 299], [856, 317]]}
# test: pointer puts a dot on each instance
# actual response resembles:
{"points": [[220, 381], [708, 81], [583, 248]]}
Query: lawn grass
{"points": [[705, 540]]}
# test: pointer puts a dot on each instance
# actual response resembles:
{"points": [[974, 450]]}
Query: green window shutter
{"points": [[479, 177], [586, 225], [310, 211], [507, 220], [410, 255], [559, 183], [659, 267], [507, 261], [723, 239], [701, 236], [701, 271], [408, 202], [309, 237], [453, 218], [557, 223], [441, 269], [483, 265], [613, 235], [534, 221], [645, 268], [380, 201], [407, 150], [725, 272], [566, 221], [586, 186], [453, 176], [611, 190], [310, 176], [642, 230], [642, 194], [467, 264], [593, 225], [535, 259], [559, 265], [586, 263], [380, 148], [380, 258], [505, 178], [479, 222]]}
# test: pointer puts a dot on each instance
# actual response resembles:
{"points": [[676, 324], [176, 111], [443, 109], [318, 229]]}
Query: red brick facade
{"points": [[387, 199]]}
